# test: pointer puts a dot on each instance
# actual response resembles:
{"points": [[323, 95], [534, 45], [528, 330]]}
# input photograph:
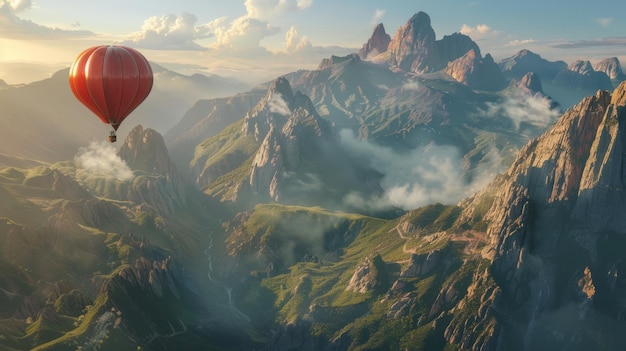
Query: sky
{"points": [[257, 40]]}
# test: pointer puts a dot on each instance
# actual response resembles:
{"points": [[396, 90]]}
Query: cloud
{"points": [[480, 32], [266, 9], [605, 22], [518, 42], [378, 15], [278, 105], [14, 27], [19, 5], [295, 42], [100, 158], [580, 44], [426, 175], [522, 107], [411, 85], [243, 35], [171, 32]]}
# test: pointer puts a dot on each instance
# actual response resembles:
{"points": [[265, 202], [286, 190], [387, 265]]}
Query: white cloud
{"points": [[14, 27], [243, 35], [171, 32], [266, 9], [278, 105], [411, 85], [100, 158], [295, 42], [480, 32], [426, 175], [605, 22], [522, 107], [378, 15], [20, 5], [518, 42]]}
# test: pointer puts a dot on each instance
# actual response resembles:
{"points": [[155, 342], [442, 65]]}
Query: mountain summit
{"points": [[377, 43], [414, 49]]}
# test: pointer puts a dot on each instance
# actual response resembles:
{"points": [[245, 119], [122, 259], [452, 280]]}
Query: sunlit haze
{"points": [[256, 40]]}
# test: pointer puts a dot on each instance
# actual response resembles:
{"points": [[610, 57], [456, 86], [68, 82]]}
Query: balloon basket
{"points": [[112, 137]]}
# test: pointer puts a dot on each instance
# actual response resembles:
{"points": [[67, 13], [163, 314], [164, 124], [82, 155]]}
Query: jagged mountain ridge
{"points": [[280, 151], [612, 67], [561, 197], [430, 284], [566, 84]]}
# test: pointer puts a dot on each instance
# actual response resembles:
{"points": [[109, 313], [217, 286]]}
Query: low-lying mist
{"points": [[100, 159], [426, 175]]}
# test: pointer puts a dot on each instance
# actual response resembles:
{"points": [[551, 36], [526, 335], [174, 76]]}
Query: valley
{"points": [[416, 195]]}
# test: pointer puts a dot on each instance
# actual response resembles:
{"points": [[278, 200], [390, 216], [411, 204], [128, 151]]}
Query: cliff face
{"points": [[413, 48], [478, 73], [291, 130], [377, 43], [555, 213], [612, 67], [158, 184]]}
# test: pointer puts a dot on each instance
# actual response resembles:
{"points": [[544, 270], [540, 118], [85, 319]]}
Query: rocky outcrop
{"points": [[290, 130], [421, 265], [602, 180], [475, 72], [376, 44], [413, 47], [564, 193], [526, 61], [581, 75], [531, 83], [454, 46], [612, 67], [370, 276], [144, 150], [158, 184]]}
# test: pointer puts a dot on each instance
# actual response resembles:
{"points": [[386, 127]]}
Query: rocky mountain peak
{"points": [[163, 189], [581, 75], [145, 150], [476, 72], [525, 61], [413, 45], [618, 98], [377, 43], [531, 82], [278, 103], [581, 67], [414, 48], [280, 86], [612, 67], [333, 60]]}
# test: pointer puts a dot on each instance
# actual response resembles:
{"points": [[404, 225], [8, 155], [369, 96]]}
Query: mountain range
{"points": [[415, 195]]}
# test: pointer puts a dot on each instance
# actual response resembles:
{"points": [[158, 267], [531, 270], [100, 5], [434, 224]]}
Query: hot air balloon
{"points": [[111, 81]]}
